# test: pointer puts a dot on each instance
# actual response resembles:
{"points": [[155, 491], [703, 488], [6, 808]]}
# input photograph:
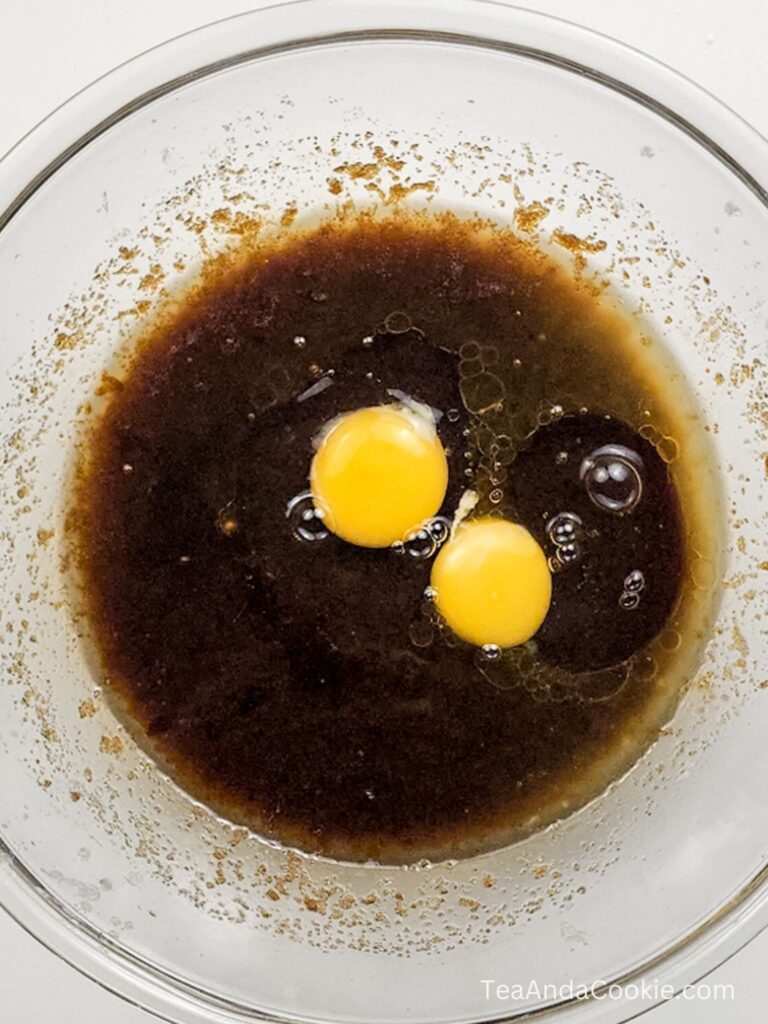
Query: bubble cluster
{"points": [[307, 522], [613, 477], [565, 532], [634, 582], [634, 585], [424, 542]]}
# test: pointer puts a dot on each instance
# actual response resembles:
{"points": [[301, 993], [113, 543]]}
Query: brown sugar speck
{"points": [[65, 341], [334, 186], [111, 745], [528, 218], [578, 245], [43, 536], [74, 796], [289, 215], [358, 171], [153, 279], [465, 901], [87, 708]]}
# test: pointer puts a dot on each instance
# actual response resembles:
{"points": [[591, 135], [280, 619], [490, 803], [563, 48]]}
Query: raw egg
{"points": [[492, 583], [379, 473]]}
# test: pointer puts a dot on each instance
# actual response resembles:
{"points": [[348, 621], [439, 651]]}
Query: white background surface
{"points": [[50, 49]]}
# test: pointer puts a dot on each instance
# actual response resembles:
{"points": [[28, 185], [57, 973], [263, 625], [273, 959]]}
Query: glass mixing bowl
{"points": [[106, 207]]}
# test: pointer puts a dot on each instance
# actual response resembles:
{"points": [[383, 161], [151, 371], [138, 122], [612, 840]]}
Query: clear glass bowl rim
{"points": [[268, 30]]}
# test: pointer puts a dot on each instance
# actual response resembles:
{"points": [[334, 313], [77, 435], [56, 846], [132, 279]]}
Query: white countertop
{"points": [[49, 49]]}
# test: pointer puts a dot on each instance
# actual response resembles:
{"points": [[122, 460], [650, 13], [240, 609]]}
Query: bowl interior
{"points": [[201, 905]]}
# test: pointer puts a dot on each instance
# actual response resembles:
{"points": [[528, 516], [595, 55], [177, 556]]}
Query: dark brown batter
{"points": [[299, 685]]}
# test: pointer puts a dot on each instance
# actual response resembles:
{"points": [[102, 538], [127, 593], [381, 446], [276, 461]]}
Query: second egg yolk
{"points": [[378, 474], [492, 583]]}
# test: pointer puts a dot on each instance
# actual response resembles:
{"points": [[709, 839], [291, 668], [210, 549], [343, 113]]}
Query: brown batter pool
{"points": [[302, 685]]}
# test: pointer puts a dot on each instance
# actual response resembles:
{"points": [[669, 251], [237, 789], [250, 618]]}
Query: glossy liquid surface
{"points": [[303, 685]]}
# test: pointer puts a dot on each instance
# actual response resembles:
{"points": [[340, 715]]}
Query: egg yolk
{"points": [[378, 474], [492, 583]]}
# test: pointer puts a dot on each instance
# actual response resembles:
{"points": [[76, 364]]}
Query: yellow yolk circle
{"points": [[378, 474], [492, 583]]}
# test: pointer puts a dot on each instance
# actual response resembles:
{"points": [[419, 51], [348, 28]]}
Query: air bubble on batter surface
{"points": [[565, 532], [307, 522], [613, 478]]}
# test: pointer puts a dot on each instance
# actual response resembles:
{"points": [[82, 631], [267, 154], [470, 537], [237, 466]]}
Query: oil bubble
{"points": [[469, 350], [307, 522], [453, 415], [670, 640], [634, 582], [299, 341], [368, 341], [561, 458], [421, 633], [496, 495], [703, 573], [397, 322], [505, 449], [470, 367], [613, 477], [628, 602], [668, 449], [482, 393]]}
